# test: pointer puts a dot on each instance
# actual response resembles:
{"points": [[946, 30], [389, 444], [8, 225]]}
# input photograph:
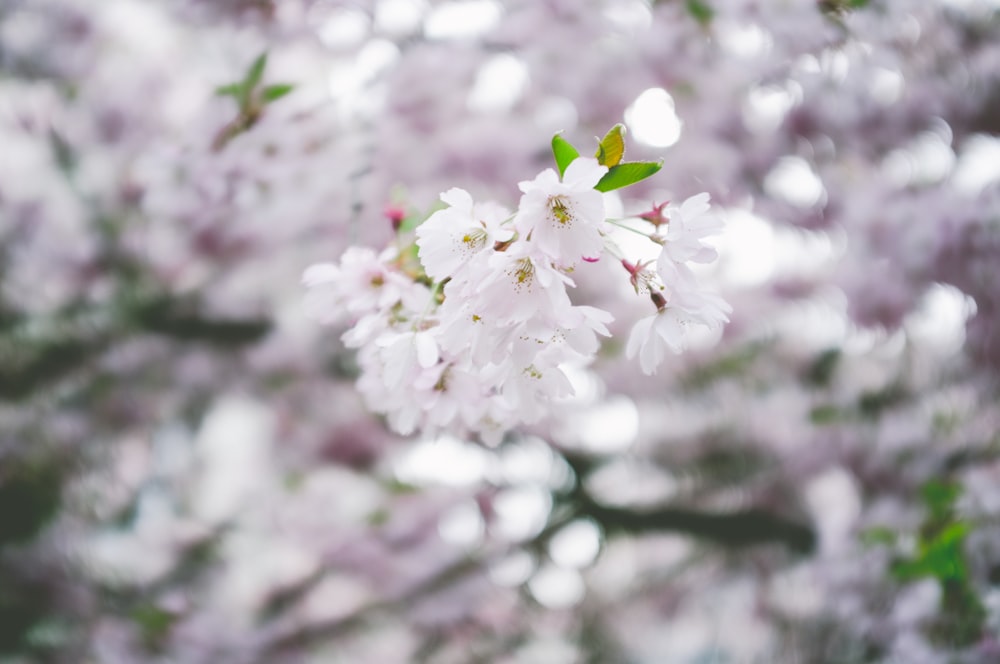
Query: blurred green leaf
{"points": [[939, 496], [820, 372], [154, 623], [30, 495], [878, 535], [277, 91], [231, 90], [700, 11], [256, 71]]}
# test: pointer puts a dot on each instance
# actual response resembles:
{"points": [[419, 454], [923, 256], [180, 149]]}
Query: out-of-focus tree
{"points": [[188, 474]]}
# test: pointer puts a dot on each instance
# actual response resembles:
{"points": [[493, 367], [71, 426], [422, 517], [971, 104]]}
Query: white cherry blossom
{"points": [[454, 236], [564, 218]]}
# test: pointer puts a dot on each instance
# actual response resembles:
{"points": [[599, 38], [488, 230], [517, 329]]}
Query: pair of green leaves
{"points": [[248, 93], [610, 152]]}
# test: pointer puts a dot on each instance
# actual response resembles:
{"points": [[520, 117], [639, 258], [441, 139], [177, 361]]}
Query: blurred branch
{"points": [[732, 529], [303, 636], [29, 363]]}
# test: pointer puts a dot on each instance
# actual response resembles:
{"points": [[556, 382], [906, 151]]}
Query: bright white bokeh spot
{"points": [[978, 164], [377, 56], [744, 40], [343, 28], [557, 587], [462, 525], [628, 481], [399, 17], [652, 119], [464, 19], [499, 84], [753, 251], [835, 503], [629, 17], [354, 83], [527, 461], [576, 545], [587, 386], [521, 512], [607, 427], [443, 461], [926, 160], [766, 106], [886, 85], [513, 570], [794, 181], [939, 321], [746, 249]]}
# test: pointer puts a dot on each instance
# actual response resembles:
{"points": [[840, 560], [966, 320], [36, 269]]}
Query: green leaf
{"points": [[256, 72], [628, 173], [700, 11], [564, 153], [611, 149], [231, 90], [878, 535], [273, 92], [940, 496]]}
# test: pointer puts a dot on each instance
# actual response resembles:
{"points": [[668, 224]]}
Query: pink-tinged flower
{"points": [[564, 218], [653, 335], [684, 291], [360, 284], [689, 224], [454, 236], [520, 286]]}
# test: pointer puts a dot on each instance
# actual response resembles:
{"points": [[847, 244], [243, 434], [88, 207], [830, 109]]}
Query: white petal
{"points": [[639, 332], [427, 350], [584, 173], [458, 198]]}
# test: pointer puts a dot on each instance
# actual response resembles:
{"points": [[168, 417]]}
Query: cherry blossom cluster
{"points": [[468, 325]]}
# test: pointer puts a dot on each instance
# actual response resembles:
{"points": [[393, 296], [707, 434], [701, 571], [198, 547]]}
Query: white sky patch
{"points": [[653, 120], [443, 461], [794, 181], [978, 164], [576, 545], [462, 20], [766, 106], [499, 84], [399, 17]]}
